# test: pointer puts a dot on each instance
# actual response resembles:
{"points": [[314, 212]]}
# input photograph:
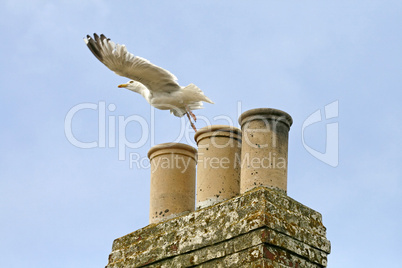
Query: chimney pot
{"points": [[172, 180], [264, 155], [218, 170]]}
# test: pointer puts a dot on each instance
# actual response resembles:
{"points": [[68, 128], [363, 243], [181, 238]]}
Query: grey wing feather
{"points": [[119, 60]]}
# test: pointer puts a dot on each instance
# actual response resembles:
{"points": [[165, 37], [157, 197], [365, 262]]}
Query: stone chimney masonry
{"points": [[238, 214]]}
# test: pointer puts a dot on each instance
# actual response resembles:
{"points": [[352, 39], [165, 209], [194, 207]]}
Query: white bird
{"points": [[157, 85]]}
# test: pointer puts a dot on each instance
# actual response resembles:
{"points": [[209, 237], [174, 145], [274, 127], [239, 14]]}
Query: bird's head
{"points": [[131, 85], [126, 85]]}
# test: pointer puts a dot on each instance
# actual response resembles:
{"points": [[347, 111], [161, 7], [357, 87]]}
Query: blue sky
{"points": [[62, 206]]}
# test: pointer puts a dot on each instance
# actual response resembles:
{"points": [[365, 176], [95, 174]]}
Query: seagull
{"points": [[157, 85]]}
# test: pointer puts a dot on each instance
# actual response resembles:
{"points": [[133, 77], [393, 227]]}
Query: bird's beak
{"points": [[123, 85]]}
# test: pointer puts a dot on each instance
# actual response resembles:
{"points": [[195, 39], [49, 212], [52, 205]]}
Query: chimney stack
{"points": [[218, 170], [264, 152], [261, 227], [172, 180]]}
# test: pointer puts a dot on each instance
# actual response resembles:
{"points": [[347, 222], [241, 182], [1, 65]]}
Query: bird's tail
{"points": [[195, 94]]}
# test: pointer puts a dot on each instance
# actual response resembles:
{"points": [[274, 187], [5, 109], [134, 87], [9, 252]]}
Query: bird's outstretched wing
{"points": [[119, 60]]}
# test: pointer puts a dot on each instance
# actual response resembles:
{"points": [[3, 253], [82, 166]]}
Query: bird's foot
{"points": [[193, 126]]}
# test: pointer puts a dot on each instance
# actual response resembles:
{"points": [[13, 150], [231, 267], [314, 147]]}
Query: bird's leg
{"points": [[191, 113], [192, 124], [193, 116]]}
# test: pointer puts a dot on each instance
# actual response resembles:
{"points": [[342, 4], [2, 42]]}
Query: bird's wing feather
{"points": [[119, 60]]}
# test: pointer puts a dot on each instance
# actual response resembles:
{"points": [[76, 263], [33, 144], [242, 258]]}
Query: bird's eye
{"points": [[131, 82]]}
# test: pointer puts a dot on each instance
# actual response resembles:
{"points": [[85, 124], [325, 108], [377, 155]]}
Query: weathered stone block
{"points": [[261, 228]]}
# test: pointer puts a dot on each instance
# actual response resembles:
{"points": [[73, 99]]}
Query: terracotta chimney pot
{"points": [[264, 156], [172, 180], [218, 170]]}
